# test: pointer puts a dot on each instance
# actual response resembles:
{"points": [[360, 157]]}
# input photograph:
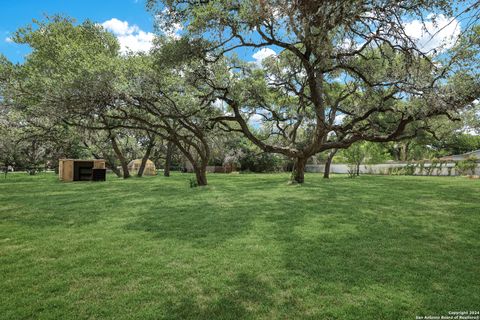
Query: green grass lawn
{"points": [[247, 246]]}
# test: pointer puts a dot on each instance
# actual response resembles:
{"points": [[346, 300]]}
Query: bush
{"points": [[263, 162], [352, 171], [193, 183], [410, 169], [397, 171], [467, 166]]}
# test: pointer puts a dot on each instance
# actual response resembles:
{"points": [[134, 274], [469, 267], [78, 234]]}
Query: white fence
{"points": [[444, 169]]}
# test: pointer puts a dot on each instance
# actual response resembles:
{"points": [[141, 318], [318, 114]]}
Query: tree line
{"points": [[344, 73]]}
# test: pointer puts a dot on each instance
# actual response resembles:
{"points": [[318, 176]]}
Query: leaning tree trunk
{"points": [[114, 168], [201, 174], [199, 165], [121, 158], [298, 172], [326, 172], [141, 169], [168, 159], [145, 158], [358, 169], [109, 162]]}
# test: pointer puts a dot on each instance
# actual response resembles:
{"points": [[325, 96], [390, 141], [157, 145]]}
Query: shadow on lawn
{"points": [[211, 216], [69, 205], [202, 224], [383, 262], [208, 217], [376, 247], [47, 202], [247, 297], [374, 276]]}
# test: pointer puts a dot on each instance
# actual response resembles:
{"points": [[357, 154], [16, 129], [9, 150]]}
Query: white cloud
{"points": [[119, 27], [437, 32], [130, 37], [9, 40], [262, 54], [140, 42], [339, 119]]}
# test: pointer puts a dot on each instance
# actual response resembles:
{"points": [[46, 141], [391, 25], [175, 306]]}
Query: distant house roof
{"points": [[459, 157]]}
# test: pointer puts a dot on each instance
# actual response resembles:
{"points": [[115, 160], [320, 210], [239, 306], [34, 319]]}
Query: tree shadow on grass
{"points": [[46, 202], [66, 205], [201, 224], [348, 272], [245, 297], [208, 216], [391, 261]]}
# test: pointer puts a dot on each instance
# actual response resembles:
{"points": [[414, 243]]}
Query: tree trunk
{"points": [[358, 169], [121, 158], [109, 162], [201, 175], [114, 169], [404, 151], [168, 159], [145, 158], [298, 172], [141, 169], [326, 172]]}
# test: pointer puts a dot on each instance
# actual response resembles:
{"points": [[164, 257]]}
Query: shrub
{"points": [[263, 162], [193, 183], [421, 166], [429, 169], [467, 166], [410, 169], [352, 171], [397, 171]]}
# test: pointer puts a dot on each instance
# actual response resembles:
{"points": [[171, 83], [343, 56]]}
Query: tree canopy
{"points": [[336, 74], [343, 71]]}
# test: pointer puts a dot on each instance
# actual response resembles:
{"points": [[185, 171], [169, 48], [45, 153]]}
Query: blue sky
{"points": [[127, 19], [133, 25], [15, 14]]}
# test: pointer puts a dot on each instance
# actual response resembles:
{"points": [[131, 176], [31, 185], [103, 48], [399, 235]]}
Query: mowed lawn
{"points": [[247, 246]]}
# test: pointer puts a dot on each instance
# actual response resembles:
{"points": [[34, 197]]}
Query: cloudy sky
{"points": [[128, 19], [133, 25]]}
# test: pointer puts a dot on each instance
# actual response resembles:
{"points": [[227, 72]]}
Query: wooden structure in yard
{"points": [[81, 170], [149, 170]]}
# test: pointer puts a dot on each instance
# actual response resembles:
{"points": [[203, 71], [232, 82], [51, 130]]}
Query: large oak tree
{"points": [[348, 60]]}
